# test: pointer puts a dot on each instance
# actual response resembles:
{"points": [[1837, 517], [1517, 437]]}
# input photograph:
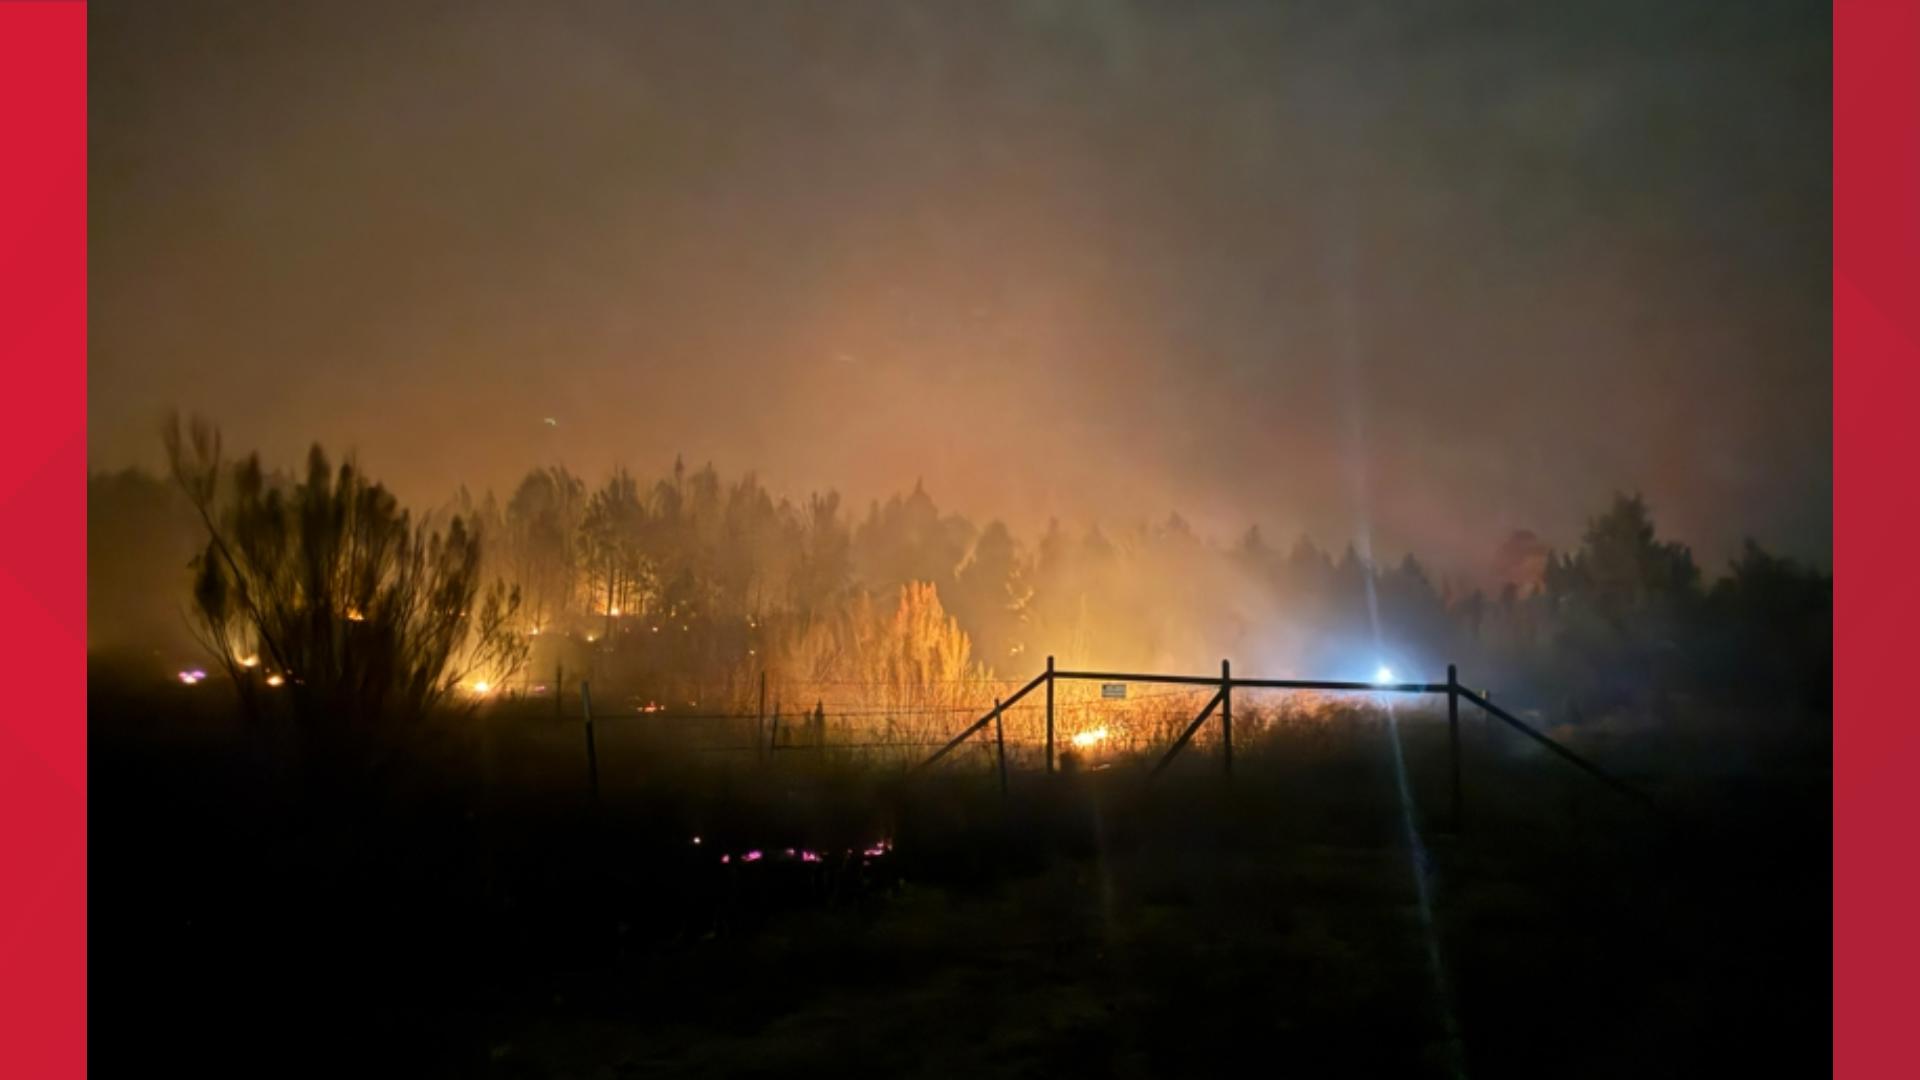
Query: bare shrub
{"points": [[368, 620]]}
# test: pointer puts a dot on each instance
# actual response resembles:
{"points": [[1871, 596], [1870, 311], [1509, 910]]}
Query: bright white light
{"points": [[482, 686], [275, 680], [1088, 738], [1383, 676], [249, 661]]}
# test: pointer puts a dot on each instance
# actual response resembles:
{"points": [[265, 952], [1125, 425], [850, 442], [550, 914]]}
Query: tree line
{"points": [[689, 591]]}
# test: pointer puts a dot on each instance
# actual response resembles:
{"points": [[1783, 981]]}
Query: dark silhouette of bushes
{"points": [[368, 620]]}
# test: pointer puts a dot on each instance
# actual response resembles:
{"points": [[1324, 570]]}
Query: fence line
{"points": [[1219, 704], [1222, 701]]}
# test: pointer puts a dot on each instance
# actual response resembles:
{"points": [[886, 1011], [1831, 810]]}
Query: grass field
{"points": [[476, 915]]}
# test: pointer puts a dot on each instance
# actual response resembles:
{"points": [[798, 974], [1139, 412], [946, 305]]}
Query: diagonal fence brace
{"points": [[983, 721], [1187, 735]]}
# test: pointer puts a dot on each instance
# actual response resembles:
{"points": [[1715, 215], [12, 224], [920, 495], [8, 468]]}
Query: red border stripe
{"points": [[1876, 309], [43, 341]]}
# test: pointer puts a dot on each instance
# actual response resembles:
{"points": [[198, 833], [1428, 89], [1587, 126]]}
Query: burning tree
{"points": [[366, 617], [906, 666]]}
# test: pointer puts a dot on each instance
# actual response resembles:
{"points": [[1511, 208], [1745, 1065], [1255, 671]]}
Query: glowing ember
{"points": [[276, 680], [1089, 738], [249, 661]]}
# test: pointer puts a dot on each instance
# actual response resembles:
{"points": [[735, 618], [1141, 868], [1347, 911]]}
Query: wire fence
{"points": [[1035, 722], [1080, 725]]}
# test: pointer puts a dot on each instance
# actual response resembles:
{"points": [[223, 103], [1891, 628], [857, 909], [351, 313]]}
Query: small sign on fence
{"points": [[1113, 690]]}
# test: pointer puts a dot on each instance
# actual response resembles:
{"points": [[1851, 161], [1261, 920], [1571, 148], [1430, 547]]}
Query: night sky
{"points": [[1425, 272]]}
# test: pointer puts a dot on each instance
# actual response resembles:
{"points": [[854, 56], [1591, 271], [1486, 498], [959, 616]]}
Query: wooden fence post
{"points": [[1453, 738], [1226, 715], [1049, 716], [593, 760]]}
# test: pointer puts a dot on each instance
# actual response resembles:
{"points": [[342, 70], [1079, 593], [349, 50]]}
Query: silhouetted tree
{"points": [[990, 594], [1622, 606], [907, 539], [1772, 629], [539, 543], [370, 619], [826, 558], [610, 535]]}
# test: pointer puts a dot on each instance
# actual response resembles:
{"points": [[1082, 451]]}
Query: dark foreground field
{"points": [[476, 917]]}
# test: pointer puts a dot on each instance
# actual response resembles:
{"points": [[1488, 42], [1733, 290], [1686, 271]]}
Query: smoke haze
{"points": [[1348, 269]]}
